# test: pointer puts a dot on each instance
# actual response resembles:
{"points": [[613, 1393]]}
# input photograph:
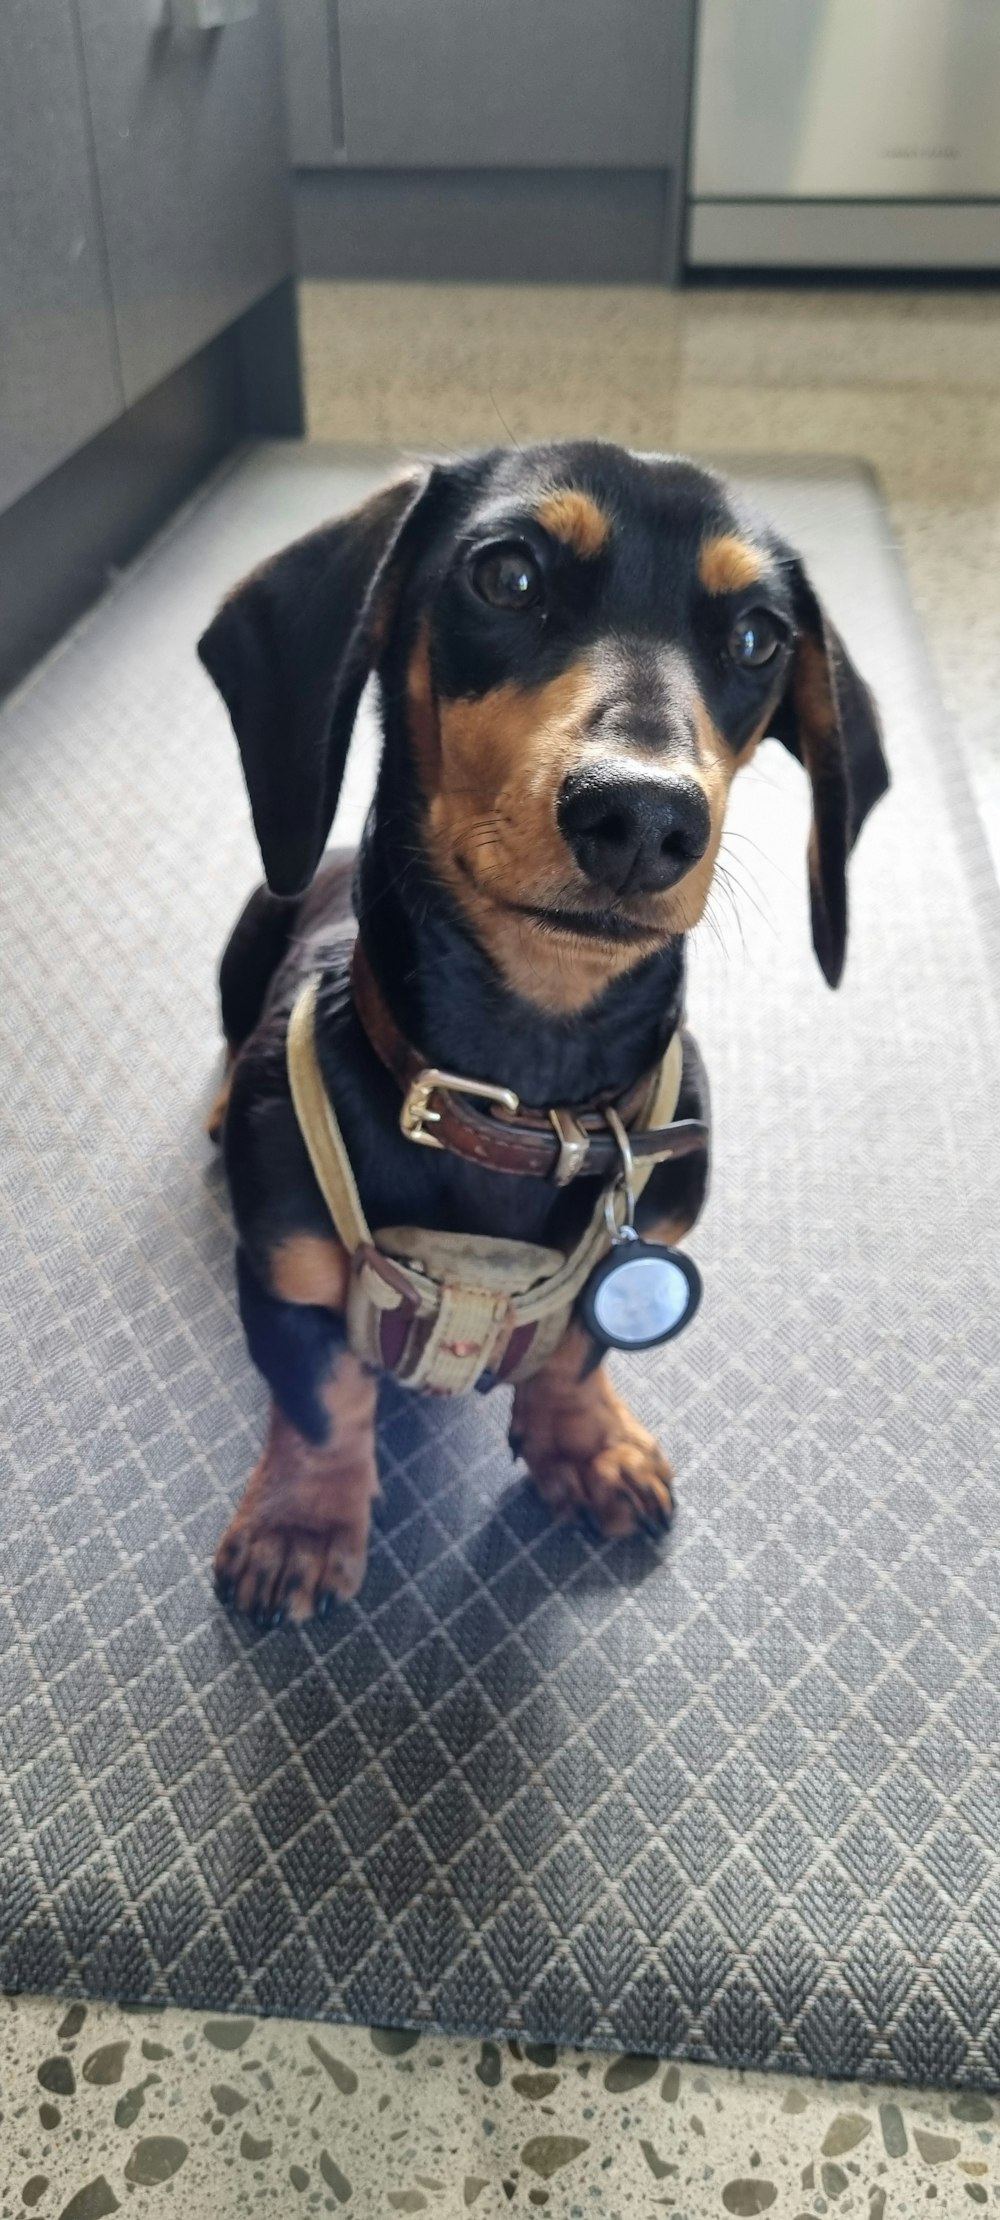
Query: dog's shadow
{"points": [[485, 1562]]}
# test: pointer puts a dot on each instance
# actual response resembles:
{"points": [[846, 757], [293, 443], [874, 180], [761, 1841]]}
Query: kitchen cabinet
{"points": [[310, 36], [59, 381], [487, 84], [189, 146], [147, 311], [507, 83]]}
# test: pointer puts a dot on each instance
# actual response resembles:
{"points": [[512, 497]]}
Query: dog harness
{"points": [[445, 1312]]}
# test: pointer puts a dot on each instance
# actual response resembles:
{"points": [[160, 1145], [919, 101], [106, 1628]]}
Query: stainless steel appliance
{"points": [[847, 133]]}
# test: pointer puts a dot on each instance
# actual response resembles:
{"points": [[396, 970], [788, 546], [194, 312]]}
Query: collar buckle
{"points": [[574, 1146], [416, 1114]]}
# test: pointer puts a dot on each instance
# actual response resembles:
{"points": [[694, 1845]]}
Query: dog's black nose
{"points": [[633, 835]]}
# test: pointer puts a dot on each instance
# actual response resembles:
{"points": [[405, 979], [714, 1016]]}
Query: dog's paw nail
{"points": [[225, 1588], [325, 1604], [516, 1445], [277, 1617]]}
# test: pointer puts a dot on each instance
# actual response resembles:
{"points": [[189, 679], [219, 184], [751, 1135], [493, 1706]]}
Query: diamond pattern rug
{"points": [[735, 1800]]}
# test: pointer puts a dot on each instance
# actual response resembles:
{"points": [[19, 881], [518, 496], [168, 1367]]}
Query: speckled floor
{"points": [[197, 2116], [225, 2116], [909, 381]]}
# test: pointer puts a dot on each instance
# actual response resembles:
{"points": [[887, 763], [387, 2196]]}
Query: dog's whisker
{"points": [[713, 924], [728, 882], [725, 891], [765, 855], [514, 442]]}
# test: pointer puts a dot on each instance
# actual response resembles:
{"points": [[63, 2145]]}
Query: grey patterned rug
{"points": [[735, 1801]]}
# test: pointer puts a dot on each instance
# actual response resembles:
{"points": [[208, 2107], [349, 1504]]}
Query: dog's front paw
{"points": [[589, 1458], [284, 1572], [300, 1536]]}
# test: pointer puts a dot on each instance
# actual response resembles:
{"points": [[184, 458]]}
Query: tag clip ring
{"points": [[625, 1230]]}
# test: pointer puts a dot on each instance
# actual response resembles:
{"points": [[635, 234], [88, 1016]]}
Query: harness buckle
{"points": [[416, 1114]]}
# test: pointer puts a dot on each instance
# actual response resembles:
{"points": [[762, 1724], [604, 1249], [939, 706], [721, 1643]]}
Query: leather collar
{"points": [[443, 1110]]}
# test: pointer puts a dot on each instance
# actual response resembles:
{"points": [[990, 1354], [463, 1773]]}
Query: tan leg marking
{"points": [[217, 1115], [667, 1230], [300, 1536], [586, 1453], [310, 1268]]}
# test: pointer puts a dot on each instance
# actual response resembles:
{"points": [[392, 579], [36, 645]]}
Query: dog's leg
{"points": [[299, 1538], [586, 1453], [256, 946], [217, 1115]]}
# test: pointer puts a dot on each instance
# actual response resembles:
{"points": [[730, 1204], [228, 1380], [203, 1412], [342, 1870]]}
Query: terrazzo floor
{"points": [[189, 2115], [231, 2116]]}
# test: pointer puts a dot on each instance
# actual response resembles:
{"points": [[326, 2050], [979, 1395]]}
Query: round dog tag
{"points": [[641, 1294]]}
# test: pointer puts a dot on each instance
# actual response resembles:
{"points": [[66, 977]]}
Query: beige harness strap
{"points": [[666, 1090], [318, 1124], [460, 1311]]}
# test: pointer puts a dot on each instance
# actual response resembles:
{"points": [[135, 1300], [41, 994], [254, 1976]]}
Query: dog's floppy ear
{"points": [[290, 651], [828, 719]]}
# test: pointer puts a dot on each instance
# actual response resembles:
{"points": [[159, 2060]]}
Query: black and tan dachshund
{"points": [[576, 649]]}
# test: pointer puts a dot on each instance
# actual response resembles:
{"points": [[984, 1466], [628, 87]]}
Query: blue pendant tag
{"points": [[641, 1294]]}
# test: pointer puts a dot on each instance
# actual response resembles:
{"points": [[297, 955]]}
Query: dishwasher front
{"points": [[846, 133]]}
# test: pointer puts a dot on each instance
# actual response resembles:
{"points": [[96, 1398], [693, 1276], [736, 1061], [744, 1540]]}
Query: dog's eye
{"points": [[508, 578], [754, 640]]}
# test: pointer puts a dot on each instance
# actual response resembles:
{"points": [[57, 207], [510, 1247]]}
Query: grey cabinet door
{"points": [[58, 377], [547, 84], [313, 88], [192, 169]]}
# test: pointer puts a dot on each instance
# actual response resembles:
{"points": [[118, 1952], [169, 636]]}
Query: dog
{"points": [[576, 648]]}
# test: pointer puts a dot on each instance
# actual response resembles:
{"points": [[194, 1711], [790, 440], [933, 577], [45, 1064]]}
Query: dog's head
{"points": [[578, 648]]}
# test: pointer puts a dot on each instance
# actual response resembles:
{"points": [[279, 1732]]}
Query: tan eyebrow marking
{"points": [[727, 564], [575, 518]]}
